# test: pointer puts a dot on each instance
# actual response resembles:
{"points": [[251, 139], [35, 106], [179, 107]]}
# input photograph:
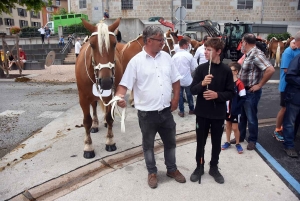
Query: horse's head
{"points": [[102, 43], [169, 43]]}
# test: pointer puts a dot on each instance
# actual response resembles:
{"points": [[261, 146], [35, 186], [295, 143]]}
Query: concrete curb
{"points": [[77, 178]]}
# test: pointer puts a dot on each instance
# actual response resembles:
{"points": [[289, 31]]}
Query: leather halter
{"points": [[166, 43]]}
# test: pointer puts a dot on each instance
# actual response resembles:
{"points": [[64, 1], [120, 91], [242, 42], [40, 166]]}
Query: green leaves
{"points": [[33, 5], [281, 37]]}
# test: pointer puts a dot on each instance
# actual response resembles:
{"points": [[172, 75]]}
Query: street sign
{"points": [[180, 13], [181, 27]]}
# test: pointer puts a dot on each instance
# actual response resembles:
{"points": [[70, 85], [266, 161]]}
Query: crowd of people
{"points": [[224, 92]]}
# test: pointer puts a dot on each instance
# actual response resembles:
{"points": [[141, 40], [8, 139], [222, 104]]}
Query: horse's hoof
{"points": [[111, 148], [94, 130], [88, 154], [105, 125]]}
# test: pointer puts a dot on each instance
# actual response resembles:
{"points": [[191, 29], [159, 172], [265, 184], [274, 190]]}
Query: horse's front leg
{"points": [[88, 151], [110, 144], [95, 124]]}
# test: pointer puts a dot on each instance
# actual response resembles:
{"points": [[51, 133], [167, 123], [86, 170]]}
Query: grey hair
{"points": [[150, 31], [297, 36]]}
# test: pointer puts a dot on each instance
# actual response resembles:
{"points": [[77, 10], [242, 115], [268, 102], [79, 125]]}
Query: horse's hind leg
{"points": [[95, 124], [88, 151], [110, 144]]}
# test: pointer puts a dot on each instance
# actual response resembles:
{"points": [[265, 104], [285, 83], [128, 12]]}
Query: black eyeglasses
{"points": [[159, 40]]}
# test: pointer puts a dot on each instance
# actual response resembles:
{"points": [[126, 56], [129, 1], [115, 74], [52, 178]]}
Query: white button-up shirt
{"points": [[77, 47], [151, 80], [185, 63], [200, 54]]}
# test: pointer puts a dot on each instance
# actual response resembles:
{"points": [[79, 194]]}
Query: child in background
{"points": [[61, 41], [234, 107]]}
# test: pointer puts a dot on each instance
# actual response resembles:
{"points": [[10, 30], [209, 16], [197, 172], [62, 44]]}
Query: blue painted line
{"points": [[290, 179]]}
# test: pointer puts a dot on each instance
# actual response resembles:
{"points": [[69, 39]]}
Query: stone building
{"points": [[255, 11]]}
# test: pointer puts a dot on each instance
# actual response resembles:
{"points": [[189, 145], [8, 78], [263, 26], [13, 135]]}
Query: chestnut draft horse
{"points": [[95, 65], [195, 44], [125, 52], [276, 48]]}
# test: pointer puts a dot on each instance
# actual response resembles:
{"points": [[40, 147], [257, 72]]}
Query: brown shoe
{"points": [[191, 112], [251, 146], [181, 114], [177, 176], [152, 180]]}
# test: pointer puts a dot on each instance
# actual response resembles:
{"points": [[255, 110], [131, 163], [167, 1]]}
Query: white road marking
{"points": [[50, 114], [11, 113]]}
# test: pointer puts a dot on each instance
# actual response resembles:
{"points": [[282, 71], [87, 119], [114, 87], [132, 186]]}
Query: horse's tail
{"points": [[278, 54]]}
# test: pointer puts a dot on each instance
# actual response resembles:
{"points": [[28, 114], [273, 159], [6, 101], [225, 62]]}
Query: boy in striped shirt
{"points": [[234, 107]]}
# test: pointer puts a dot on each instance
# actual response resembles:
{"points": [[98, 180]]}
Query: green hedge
{"points": [[281, 37], [78, 29], [28, 32]]}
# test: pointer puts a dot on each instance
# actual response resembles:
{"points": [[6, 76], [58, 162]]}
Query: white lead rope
{"points": [[113, 103]]}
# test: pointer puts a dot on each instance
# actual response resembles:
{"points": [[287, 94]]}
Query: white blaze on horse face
{"points": [[103, 36]]}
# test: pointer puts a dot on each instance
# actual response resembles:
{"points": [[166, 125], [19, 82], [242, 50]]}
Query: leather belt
{"points": [[159, 111]]}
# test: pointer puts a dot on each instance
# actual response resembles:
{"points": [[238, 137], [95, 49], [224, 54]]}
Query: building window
{"points": [[1, 21], [10, 9], [9, 21], [299, 5], [34, 14], [23, 23], [187, 4], [49, 9], [245, 4], [22, 12], [57, 2], [82, 3], [126, 4], [35, 24]]}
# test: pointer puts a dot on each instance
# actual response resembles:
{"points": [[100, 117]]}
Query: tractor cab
{"points": [[233, 34]]}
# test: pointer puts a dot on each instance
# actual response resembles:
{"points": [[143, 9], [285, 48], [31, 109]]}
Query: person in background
{"points": [[234, 108], [11, 59], [61, 42], [185, 64], [106, 14], [47, 33], [255, 72], [77, 47], [42, 32], [22, 58], [199, 55]]}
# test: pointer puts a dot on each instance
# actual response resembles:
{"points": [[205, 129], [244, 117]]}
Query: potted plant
{"points": [[14, 30]]}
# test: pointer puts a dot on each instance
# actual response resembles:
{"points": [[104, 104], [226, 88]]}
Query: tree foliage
{"points": [[61, 11], [34, 5], [281, 37]]}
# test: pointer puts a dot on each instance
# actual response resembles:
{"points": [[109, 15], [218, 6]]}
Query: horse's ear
{"points": [[176, 32], [88, 26], [116, 23]]}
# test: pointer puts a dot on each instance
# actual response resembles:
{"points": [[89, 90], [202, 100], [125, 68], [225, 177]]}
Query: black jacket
{"points": [[292, 90], [222, 83]]}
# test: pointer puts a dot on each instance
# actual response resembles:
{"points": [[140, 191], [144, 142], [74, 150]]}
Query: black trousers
{"points": [[216, 127], [43, 36]]}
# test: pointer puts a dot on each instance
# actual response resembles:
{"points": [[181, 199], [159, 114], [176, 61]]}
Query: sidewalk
{"points": [[50, 165]]}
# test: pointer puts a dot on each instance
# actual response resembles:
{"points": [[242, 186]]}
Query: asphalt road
{"points": [[27, 107]]}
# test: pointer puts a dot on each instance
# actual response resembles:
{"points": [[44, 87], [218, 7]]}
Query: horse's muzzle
{"points": [[106, 83]]}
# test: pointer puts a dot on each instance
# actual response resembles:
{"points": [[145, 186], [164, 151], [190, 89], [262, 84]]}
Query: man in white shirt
{"points": [[185, 64], [177, 47], [199, 55], [77, 47], [42, 32], [152, 77]]}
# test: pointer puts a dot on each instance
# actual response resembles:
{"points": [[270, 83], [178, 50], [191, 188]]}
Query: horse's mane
{"points": [[128, 44], [103, 36]]}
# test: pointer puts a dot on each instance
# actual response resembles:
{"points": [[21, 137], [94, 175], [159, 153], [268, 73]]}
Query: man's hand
{"points": [[255, 88], [210, 95], [207, 80], [174, 104], [121, 103]]}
